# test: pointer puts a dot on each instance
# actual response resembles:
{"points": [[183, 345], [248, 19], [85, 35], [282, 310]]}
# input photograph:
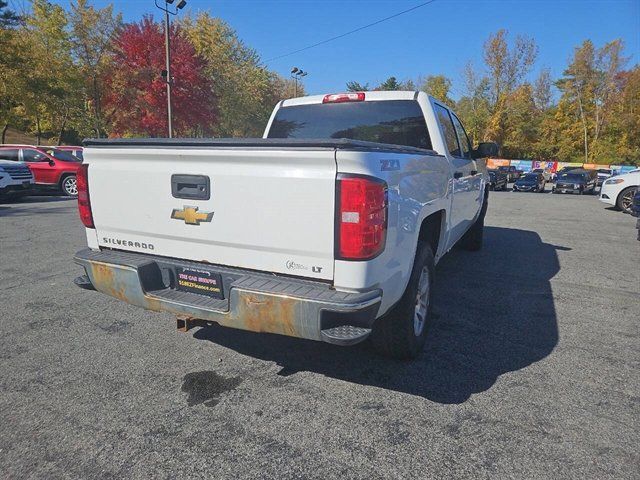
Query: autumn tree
{"points": [[136, 97], [588, 89], [93, 31]]}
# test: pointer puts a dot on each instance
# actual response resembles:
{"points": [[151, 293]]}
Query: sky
{"points": [[438, 38]]}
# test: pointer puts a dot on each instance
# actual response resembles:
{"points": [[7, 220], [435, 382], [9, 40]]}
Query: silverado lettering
{"points": [[128, 243]]}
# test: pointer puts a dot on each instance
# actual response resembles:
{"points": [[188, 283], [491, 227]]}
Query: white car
{"points": [[328, 228], [619, 190], [15, 179]]}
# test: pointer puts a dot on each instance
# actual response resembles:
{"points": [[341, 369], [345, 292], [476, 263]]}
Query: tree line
{"points": [[83, 72], [71, 73], [595, 118]]}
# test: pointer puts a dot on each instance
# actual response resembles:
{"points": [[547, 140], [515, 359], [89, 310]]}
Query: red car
{"points": [[52, 167]]}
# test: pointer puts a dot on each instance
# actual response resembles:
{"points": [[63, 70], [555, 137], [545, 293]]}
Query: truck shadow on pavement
{"points": [[493, 313]]}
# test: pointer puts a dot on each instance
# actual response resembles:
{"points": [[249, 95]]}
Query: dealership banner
{"points": [[497, 162], [547, 166], [524, 165], [618, 169]]}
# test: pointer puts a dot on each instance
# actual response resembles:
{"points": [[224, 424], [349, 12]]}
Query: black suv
{"points": [[576, 181], [497, 180]]}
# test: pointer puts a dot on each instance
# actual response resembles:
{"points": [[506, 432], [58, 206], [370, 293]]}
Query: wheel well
{"points": [[431, 228]]}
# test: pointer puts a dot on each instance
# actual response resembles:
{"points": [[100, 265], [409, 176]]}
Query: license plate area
{"points": [[200, 281]]}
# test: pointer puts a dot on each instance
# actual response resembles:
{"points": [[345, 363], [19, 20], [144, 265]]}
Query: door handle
{"points": [[474, 172], [457, 175]]}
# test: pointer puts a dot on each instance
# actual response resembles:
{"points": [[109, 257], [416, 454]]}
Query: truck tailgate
{"points": [[269, 209]]}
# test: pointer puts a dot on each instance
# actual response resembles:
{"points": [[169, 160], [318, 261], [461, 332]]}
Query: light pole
{"points": [[166, 74], [297, 74]]}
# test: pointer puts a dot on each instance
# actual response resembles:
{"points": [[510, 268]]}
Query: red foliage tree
{"points": [[136, 96]]}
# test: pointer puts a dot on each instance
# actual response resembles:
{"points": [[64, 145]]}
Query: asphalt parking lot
{"points": [[531, 369]]}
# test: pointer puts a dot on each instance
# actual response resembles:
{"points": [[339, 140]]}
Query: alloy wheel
{"points": [[70, 186]]}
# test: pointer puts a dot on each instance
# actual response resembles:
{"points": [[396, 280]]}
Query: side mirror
{"points": [[51, 163], [486, 149]]}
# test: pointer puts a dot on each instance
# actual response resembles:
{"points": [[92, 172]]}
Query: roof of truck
{"points": [[368, 96]]}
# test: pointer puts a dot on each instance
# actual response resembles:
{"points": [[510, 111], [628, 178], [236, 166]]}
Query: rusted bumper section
{"points": [[252, 301]]}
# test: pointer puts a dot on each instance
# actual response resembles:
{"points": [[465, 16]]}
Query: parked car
{"points": [[619, 190], [344, 231], [511, 171], [16, 179], [603, 174], [577, 180], [563, 170], [530, 182], [545, 173], [497, 180], [76, 151], [52, 168]]}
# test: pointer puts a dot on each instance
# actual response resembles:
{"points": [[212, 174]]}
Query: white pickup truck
{"points": [[328, 228]]}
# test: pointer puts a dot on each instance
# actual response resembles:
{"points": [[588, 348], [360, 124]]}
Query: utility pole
{"points": [[166, 74], [167, 53]]}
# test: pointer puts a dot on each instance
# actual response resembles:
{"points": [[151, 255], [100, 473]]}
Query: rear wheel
{"points": [[625, 199], [401, 333], [69, 186]]}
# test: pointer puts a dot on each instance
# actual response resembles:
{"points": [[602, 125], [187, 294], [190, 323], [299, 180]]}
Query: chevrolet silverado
{"points": [[328, 228]]}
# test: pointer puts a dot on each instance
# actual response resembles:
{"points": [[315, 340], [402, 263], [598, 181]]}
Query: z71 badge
{"points": [[191, 215], [389, 165]]}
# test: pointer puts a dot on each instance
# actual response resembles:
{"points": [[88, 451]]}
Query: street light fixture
{"points": [[297, 74], [166, 74]]}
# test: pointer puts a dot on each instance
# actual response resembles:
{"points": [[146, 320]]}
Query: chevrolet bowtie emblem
{"points": [[191, 216]]}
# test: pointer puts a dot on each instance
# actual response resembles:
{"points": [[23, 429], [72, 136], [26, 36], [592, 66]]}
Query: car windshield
{"points": [[530, 177], [503, 169], [572, 177], [605, 171], [398, 122]]}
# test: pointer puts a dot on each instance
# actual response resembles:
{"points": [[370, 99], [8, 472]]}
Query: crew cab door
{"points": [[464, 172], [38, 162]]}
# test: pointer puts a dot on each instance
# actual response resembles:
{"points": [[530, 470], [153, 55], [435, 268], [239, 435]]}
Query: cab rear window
{"points": [[398, 122]]}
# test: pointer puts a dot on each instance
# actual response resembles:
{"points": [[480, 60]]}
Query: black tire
{"points": [[624, 201], [394, 334], [69, 186], [472, 239]]}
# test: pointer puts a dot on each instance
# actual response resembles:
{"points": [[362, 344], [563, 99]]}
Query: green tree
{"points": [[245, 92], [354, 86], [439, 87], [48, 95], [390, 83]]}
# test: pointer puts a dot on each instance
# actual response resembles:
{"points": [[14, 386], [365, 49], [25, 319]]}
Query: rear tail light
{"points": [[361, 217], [344, 97], [84, 204]]}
